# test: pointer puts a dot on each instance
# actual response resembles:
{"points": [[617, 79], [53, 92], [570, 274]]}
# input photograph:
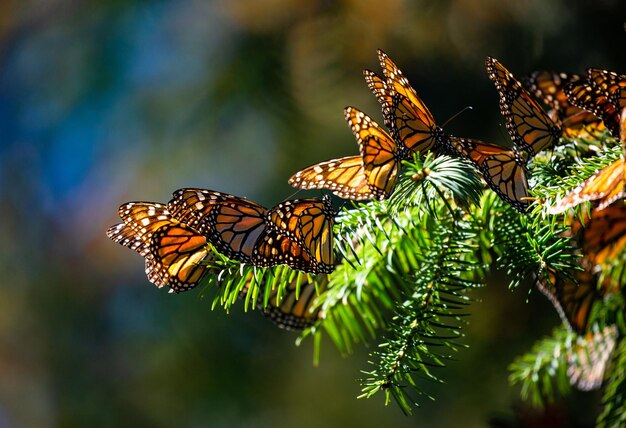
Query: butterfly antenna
{"points": [[293, 194], [342, 204], [456, 115]]}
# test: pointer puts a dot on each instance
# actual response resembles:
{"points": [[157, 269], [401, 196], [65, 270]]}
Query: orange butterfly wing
{"points": [[607, 82], [177, 251], [406, 115], [529, 126], [606, 185], [381, 157], [310, 222], [589, 357], [316, 229], [550, 88], [612, 86], [235, 226], [369, 176], [150, 230], [294, 308], [592, 98], [144, 218], [604, 235], [501, 168], [400, 85], [345, 177], [276, 248], [192, 206], [124, 235], [572, 300], [382, 91]]}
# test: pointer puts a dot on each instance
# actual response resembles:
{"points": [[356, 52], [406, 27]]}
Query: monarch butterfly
{"points": [[549, 87], [590, 97], [294, 309], [191, 206], [529, 126], [501, 168], [177, 251], [604, 234], [608, 82], [572, 300], [589, 357], [405, 114], [173, 251], [310, 221], [297, 233], [372, 175]]}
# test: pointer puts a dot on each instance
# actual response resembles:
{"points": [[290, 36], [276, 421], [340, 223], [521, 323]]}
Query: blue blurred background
{"points": [[103, 102]]}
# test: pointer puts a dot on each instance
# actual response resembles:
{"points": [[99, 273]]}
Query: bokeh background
{"points": [[103, 102]]}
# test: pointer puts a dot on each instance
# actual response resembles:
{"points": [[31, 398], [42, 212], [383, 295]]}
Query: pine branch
{"points": [[427, 253], [527, 245], [389, 249], [548, 243], [407, 264], [558, 173], [382, 244], [428, 319], [544, 369]]}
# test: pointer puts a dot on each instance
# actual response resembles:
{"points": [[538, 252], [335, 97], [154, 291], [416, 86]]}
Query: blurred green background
{"points": [[103, 102]]}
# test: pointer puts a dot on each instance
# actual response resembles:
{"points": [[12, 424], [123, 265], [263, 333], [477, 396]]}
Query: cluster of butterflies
{"points": [[600, 232], [412, 128], [174, 238]]}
